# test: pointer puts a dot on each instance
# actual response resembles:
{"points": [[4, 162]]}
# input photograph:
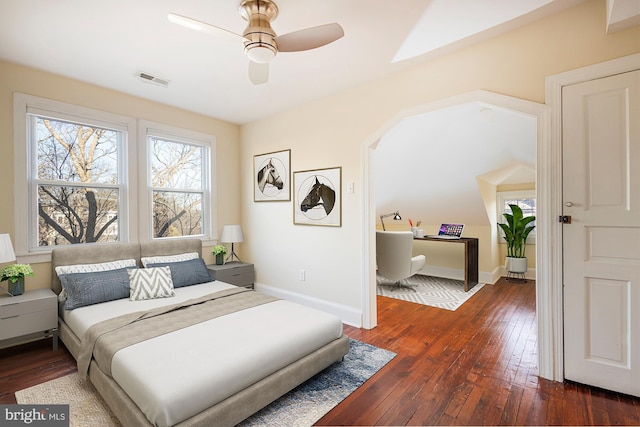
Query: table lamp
{"points": [[232, 234], [6, 253], [6, 249], [396, 217]]}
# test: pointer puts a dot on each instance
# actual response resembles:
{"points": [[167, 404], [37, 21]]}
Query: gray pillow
{"points": [[84, 289], [187, 273]]}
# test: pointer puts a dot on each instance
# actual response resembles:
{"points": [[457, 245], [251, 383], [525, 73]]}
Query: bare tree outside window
{"points": [[86, 181], [77, 182], [177, 181]]}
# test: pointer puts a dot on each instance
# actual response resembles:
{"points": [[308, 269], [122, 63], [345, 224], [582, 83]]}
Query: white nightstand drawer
{"points": [[9, 309], [24, 324], [28, 316]]}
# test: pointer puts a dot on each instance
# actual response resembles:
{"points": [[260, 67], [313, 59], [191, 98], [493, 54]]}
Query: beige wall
{"points": [[15, 78], [327, 133], [332, 132]]}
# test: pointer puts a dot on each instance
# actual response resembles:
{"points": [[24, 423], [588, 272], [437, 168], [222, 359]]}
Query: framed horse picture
{"points": [[271, 176], [317, 197]]}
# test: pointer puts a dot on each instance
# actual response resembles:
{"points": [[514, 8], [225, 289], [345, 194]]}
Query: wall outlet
{"points": [[302, 275]]}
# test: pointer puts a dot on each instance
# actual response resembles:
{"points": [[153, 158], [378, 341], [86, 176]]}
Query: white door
{"points": [[601, 193]]}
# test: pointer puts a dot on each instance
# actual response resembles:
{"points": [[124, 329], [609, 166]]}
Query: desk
{"points": [[470, 257]]}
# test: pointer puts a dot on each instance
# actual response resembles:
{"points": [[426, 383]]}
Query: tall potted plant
{"points": [[516, 231]]}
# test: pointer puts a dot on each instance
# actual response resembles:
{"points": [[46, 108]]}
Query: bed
{"points": [[209, 354]]}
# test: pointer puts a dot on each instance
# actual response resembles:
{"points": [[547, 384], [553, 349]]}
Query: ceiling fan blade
{"points": [[258, 73], [203, 27], [309, 38]]}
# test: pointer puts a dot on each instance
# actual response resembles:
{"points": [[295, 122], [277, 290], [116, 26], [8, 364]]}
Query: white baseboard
{"points": [[447, 273], [530, 274], [458, 274], [491, 277], [349, 315]]}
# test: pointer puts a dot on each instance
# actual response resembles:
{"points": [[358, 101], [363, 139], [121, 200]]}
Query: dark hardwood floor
{"points": [[474, 366]]}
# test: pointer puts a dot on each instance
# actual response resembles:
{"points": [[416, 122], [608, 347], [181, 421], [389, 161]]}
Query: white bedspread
{"points": [[177, 375], [80, 319]]}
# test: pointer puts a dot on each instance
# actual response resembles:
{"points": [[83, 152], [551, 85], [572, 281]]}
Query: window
{"points": [[178, 177], [91, 176], [77, 182], [525, 199]]}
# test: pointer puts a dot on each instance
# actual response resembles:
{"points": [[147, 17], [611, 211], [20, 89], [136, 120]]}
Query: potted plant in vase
{"points": [[219, 251], [15, 275], [516, 231]]}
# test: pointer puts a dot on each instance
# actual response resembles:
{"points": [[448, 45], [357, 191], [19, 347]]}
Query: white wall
{"points": [[333, 132]]}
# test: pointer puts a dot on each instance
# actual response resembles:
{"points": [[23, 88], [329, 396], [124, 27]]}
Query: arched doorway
{"points": [[539, 111]]}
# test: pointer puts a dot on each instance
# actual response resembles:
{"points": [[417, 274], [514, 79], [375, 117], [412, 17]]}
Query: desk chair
{"points": [[393, 256]]}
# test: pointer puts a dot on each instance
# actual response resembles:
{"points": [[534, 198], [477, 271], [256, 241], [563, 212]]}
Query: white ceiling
{"points": [[108, 42], [428, 165]]}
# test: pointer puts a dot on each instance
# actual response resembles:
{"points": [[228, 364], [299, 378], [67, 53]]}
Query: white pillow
{"points": [[150, 283], [168, 258], [89, 268]]}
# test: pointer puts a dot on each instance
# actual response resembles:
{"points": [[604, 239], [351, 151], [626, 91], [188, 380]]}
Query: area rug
{"points": [[427, 290], [302, 406]]}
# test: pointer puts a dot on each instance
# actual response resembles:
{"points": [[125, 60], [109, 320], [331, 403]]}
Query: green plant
{"points": [[219, 250], [15, 272], [516, 231]]}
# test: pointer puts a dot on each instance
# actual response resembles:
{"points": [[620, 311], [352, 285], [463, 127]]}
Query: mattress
{"points": [[177, 375]]}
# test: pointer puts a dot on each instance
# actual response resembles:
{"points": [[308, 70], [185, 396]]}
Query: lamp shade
{"points": [[232, 234], [6, 249], [396, 217]]}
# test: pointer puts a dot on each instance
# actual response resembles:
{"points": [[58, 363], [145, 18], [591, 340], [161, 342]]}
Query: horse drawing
{"points": [[320, 194], [269, 175]]}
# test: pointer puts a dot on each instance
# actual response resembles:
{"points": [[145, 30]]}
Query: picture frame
{"points": [[318, 197], [272, 176]]}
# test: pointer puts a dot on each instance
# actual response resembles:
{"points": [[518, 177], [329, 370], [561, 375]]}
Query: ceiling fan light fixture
{"points": [[260, 53], [261, 43]]}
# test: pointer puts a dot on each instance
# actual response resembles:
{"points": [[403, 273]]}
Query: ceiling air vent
{"points": [[148, 78]]}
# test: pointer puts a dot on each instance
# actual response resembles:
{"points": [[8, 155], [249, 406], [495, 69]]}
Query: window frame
{"points": [[135, 209], [34, 181], [148, 129], [501, 196]]}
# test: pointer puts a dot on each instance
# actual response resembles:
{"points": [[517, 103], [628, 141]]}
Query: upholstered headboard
{"points": [[170, 247], [92, 253]]}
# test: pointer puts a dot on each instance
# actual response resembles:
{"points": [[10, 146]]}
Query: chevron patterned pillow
{"points": [[150, 283]]}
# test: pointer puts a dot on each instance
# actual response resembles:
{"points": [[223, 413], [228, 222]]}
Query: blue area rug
{"points": [[309, 402]]}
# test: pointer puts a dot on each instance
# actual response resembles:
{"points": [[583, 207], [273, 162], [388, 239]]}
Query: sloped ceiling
{"points": [[427, 165], [622, 14], [108, 43]]}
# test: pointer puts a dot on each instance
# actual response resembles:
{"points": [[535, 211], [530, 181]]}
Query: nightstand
{"points": [[236, 273], [33, 314]]}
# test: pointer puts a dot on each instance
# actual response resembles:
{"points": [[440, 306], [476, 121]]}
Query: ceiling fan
{"points": [[261, 44]]}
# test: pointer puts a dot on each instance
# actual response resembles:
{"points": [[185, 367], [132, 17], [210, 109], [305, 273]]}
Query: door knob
{"points": [[568, 204]]}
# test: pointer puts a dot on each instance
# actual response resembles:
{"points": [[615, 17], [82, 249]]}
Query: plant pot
{"points": [[219, 259], [16, 288], [516, 265]]}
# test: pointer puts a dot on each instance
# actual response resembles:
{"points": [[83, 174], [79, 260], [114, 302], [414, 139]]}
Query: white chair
{"points": [[394, 256]]}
